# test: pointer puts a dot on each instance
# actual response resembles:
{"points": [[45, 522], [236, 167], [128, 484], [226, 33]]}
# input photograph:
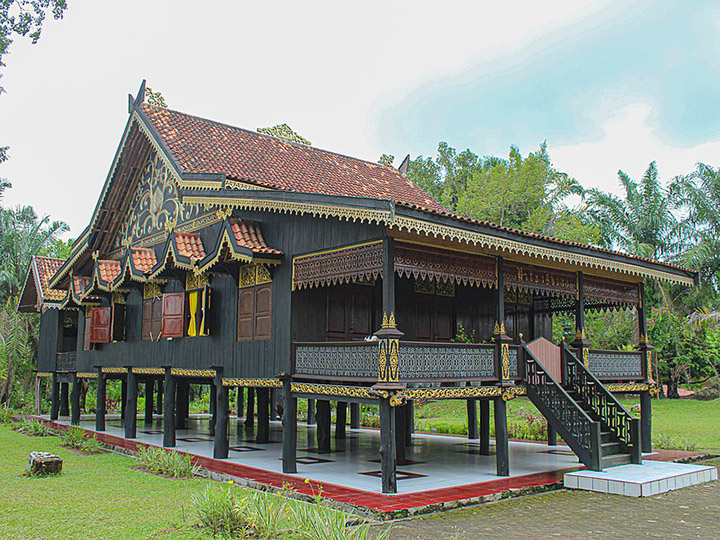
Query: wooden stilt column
{"points": [[250, 417], [400, 427], [581, 343], [472, 419], [240, 402], [263, 406], [213, 408], [159, 402], [100, 401], [552, 435], [340, 420], [169, 409], [323, 426], [484, 427], [502, 449], [55, 408], [182, 390], [289, 423], [123, 400], [311, 412], [645, 421], [220, 450], [411, 420], [131, 409], [502, 340], [75, 401], [37, 402], [64, 399], [354, 416], [388, 466], [149, 399]]}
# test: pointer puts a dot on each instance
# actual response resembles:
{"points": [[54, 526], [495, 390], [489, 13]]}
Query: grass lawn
{"points": [[695, 421], [96, 496]]}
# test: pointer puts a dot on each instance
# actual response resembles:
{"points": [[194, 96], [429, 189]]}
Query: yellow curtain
{"points": [[192, 327], [203, 299]]}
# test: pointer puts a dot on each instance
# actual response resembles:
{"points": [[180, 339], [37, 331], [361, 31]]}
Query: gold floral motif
{"points": [[456, 392], [81, 375], [397, 400], [151, 290], [382, 361], [394, 368], [177, 372], [43, 374], [505, 348], [332, 390], [586, 357], [195, 281], [628, 387], [148, 371], [254, 274], [650, 377], [253, 383], [114, 370]]}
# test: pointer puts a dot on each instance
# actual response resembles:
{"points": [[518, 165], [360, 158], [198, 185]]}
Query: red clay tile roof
{"points": [[80, 284], [46, 268], [108, 270], [248, 234], [190, 245], [205, 146], [143, 259]]}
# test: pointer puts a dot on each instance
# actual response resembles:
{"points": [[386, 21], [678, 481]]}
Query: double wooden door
{"points": [[349, 313]]}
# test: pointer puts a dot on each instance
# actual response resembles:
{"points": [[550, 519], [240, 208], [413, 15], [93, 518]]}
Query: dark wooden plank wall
{"points": [[48, 339], [290, 233]]}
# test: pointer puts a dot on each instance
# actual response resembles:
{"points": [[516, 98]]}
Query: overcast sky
{"points": [[608, 86]]}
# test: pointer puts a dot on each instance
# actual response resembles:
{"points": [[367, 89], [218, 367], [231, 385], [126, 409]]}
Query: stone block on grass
{"points": [[42, 463]]}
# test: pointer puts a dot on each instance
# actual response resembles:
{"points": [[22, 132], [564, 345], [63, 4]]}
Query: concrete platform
{"points": [[646, 480]]}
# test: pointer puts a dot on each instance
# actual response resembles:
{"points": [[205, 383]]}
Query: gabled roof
{"points": [[202, 146], [36, 293], [249, 234]]}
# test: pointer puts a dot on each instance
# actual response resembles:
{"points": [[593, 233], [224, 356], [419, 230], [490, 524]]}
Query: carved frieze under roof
{"points": [[154, 210], [545, 281]]}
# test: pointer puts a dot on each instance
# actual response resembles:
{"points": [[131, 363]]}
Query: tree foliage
{"points": [[283, 131]]}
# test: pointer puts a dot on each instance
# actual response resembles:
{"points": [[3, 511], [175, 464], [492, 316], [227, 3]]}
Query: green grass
{"points": [[682, 420]]}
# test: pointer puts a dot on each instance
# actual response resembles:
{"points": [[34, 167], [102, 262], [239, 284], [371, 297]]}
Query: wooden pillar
{"points": [[37, 402], [240, 402], [645, 348], [159, 402], [645, 421], [502, 340], [213, 408], [581, 343], [250, 417], [64, 399], [131, 409], [100, 401], [169, 409], [55, 408], [263, 413], [472, 418], [289, 423], [484, 427], [182, 390], [552, 435], [388, 467], [149, 398], [123, 400], [354, 416], [400, 427], [220, 449], [340, 420], [323, 426], [75, 401], [502, 449], [311, 412], [411, 420]]}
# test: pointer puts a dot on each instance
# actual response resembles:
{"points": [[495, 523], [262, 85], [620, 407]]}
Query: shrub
{"points": [[75, 437], [219, 511], [167, 462], [6, 415], [32, 428], [670, 442]]}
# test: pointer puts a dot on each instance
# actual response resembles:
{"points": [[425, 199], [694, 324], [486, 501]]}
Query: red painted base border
{"points": [[377, 502]]}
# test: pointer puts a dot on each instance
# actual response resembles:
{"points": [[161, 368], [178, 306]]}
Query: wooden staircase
{"points": [[600, 431]]}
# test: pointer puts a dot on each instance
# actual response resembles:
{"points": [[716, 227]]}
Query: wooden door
{"points": [[349, 313], [548, 355]]}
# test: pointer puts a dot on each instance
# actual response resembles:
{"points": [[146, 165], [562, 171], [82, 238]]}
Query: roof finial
{"points": [[139, 99], [405, 165]]}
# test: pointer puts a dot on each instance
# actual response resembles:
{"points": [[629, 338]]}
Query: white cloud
{"points": [[630, 141]]}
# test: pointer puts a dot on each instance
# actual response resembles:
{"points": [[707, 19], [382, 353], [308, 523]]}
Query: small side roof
{"points": [[36, 295]]}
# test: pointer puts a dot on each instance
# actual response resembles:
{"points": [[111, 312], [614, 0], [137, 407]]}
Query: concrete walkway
{"points": [[688, 513]]}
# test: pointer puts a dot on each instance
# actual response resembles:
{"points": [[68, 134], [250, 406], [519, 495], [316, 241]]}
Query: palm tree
{"points": [[642, 223]]}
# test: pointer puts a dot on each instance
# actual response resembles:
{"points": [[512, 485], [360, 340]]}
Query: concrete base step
{"points": [[646, 480]]}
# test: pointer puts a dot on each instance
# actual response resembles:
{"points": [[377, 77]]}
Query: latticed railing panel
{"points": [[616, 364], [337, 360], [65, 362], [446, 361]]}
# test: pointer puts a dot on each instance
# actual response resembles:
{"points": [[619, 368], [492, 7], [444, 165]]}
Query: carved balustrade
{"points": [[615, 365]]}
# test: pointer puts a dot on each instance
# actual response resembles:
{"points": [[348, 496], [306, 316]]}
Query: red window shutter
{"points": [[100, 319], [263, 311], [147, 318], [157, 318], [173, 310], [86, 333], [246, 311]]}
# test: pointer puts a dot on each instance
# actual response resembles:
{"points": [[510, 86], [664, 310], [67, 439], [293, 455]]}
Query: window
{"points": [[100, 321], [173, 311], [198, 307], [86, 330], [254, 303], [152, 318]]}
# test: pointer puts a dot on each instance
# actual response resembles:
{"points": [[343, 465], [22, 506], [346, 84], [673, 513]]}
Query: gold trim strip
{"points": [[86, 375], [451, 392], [513, 246], [114, 370], [43, 374], [333, 390], [192, 372], [255, 383], [148, 371], [628, 387]]}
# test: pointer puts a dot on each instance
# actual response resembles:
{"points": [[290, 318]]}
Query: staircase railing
{"points": [[574, 425], [611, 412]]}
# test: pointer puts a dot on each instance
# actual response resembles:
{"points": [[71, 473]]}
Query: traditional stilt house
{"points": [[222, 256]]}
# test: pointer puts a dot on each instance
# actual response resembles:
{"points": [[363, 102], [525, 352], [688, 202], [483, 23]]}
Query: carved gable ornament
{"points": [[155, 208]]}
